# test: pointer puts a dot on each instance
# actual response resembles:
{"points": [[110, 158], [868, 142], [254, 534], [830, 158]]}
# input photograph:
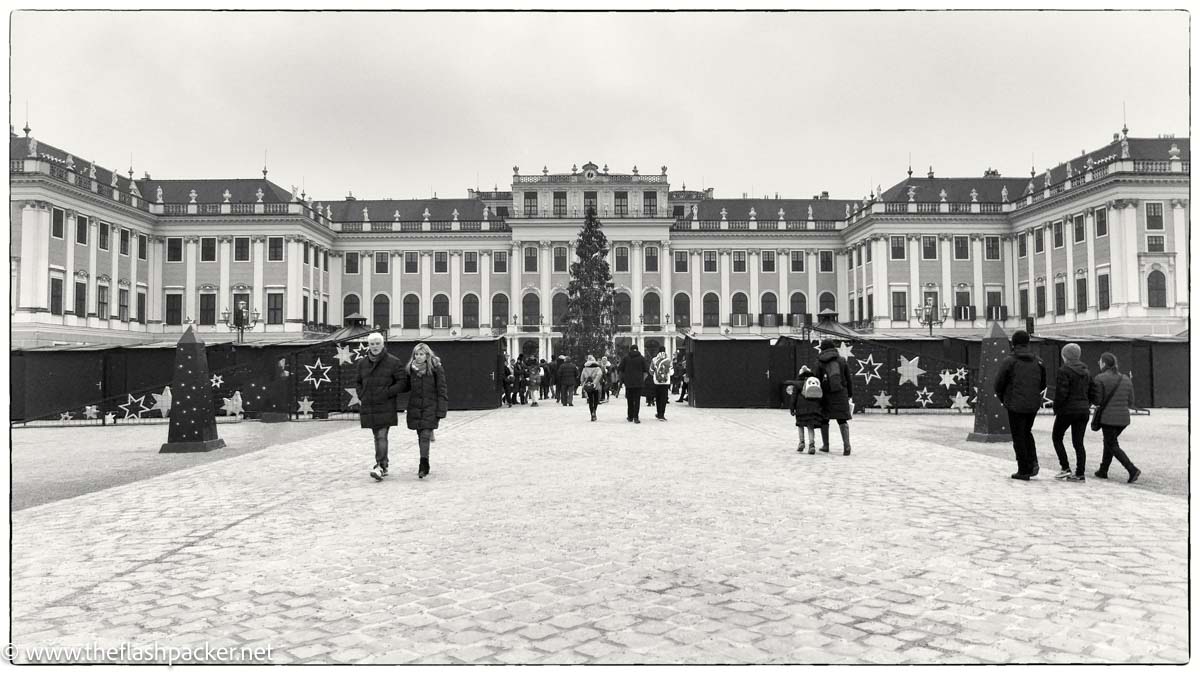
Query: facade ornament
{"points": [[847, 210], [92, 171], [259, 195], [1029, 188], [545, 171], [516, 169], [544, 244], [454, 215], [192, 197], [81, 274], [295, 194], [974, 195], [426, 254], [635, 171], [70, 161], [695, 213], [912, 193], [1179, 203], [226, 195], [425, 214], [485, 212], [455, 254], [258, 238], [810, 213], [781, 214], [942, 195], [103, 277], [328, 211], [574, 169], [723, 213], [122, 283], [725, 251], [1125, 147], [366, 216], [1173, 153], [133, 188], [605, 169], [1047, 178], [664, 169], [753, 214], [396, 216], [1089, 163], [158, 194], [1069, 172], [33, 147], [113, 181]]}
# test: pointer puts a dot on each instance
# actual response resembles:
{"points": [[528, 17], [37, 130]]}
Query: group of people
{"points": [[1019, 383], [821, 395]]}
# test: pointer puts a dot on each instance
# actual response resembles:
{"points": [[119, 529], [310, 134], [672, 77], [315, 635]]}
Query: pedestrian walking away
{"points": [[568, 379], [555, 364], [1113, 394], [806, 408], [510, 381], [1019, 384], [660, 372], [533, 374], [1072, 386], [633, 370], [836, 392], [378, 379], [425, 380], [615, 379], [543, 379], [606, 374], [593, 383]]}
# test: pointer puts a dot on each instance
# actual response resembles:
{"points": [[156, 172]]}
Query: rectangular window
{"points": [[1022, 246], [825, 259], [102, 302], [621, 203], [174, 249], [651, 255], [870, 304], [1039, 243], [470, 262], [1039, 295], [123, 242], [275, 308], [621, 258], [1060, 298], [325, 260], [681, 261], [929, 248], [710, 261], [1058, 234], [1081, 302], [351, 262], [962, 248], [412, 262], [1154, 215], [103, 243], [306, 253], [560, 258], [81, 230], [123, 304], [1101, 217], [141, 307], [57, 219], [869, 247], [56, 296], [1155, 243], [797, 261], [501, 211], [441, 262], [739, 261], [1023, 295], [241, 249], [560, 203], [962, 298], [530, 204], [80, 298], [899, 306], [143, 246], [858, 256], [994, 299], [897, 246], [768, 261], [991, 248], [208, 309], [382, 258], [531, 259], [208, 249], [1102, 292], [1079, 228], [304, 309], [589, 201], [173, 311], [275, 249], [650, 203], [931, 301], [324, 312], [499, 262]]}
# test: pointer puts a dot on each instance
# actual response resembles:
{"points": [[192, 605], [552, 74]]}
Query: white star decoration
{"points": [[128, 407], [948, 377], [353, 397], [217, 381], [343, 355], [305, 405], [64, 417], [233, 405], [960, 402], [924, 397], [868, 369], [110, 418], [882, 400], [909, 370], [360, 351], [1047, 402], [962, 373], [162, 402], [90, 412], [845, 350], [317, 380]]}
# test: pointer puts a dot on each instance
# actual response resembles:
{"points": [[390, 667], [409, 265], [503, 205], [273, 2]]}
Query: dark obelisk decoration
{"points": [[193, 426], [991, 419]]}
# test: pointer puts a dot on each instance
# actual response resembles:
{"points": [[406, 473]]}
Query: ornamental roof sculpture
{"points": [[192, 197], [226, 195]]}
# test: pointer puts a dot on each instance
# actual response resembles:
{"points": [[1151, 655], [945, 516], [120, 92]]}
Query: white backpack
{"points": [[812, 388]]}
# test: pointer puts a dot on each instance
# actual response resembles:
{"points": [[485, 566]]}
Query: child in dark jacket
{"points": [[807, 412]]}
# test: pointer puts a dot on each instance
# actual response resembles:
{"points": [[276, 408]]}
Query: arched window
{"points": [[740, 303], [530, 308], [769, 304], [470, 311], [381, 316], [622, 308], [499, 310], [558, 309], [441, 305], [350, 305], [712, 310], [411, 311], [1156, 289], [683, 309], [826, 301], [799, 304], [651, 309]]}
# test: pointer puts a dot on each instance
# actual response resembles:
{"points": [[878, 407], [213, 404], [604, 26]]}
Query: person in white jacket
{"points": [[660, 370]]}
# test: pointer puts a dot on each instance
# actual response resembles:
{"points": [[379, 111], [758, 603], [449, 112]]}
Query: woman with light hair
{"points": [[378, 379], [425, 379]]}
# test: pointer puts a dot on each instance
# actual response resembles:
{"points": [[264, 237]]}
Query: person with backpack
{"points": [[836, 388], [1072, 385], [521, 380], [1113, 394], [544, 379], [593, 383], [660, 371], [1019, 384], [510, 381], [533, 373], [806, 408]]}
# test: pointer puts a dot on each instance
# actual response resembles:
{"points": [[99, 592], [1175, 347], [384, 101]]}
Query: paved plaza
{"points": [[541, 537]]}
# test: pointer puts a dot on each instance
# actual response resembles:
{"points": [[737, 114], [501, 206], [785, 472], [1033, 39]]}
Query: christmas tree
{"points": [[589, 318]]}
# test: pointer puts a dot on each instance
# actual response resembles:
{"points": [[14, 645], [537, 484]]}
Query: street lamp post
{"points": [[241, 320], [929, 315]]}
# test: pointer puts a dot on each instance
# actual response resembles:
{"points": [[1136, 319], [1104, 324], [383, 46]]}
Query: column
{"points": [[189, 284], [945, 257], [810, 269], [754, 265], [883, 295], [783, 265], [28, 285], [225, 299], [93, 257], [851, 281], [154, 301], [978, 292], [1130, 246], [456, 289], [914, 274], [1029, 255], [366, 267], [515, 265], [312, 283], [841, 271], [1009, 254], [1069, 283], [1116, 255], [396, 306], [69, 275], [636, 262], [114, 234], [485, 291], [697, 310], [1090, 238], [863, 247], [1179, 227], [321, 272], [1048, 236], [726, 299], [336, 266], [258, 297], [544, 264], [426, 284], [294, 295], [666, 269]]}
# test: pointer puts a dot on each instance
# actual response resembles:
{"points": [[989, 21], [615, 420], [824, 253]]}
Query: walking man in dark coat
{"points": [[378, 379], [634, 370], [568, 379], [1019, 384]]}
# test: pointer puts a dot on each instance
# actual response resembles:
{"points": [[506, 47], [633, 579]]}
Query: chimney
{"points": [[349, 196], [824, 194]]}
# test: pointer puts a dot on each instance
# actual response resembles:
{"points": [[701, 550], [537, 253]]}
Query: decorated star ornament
{"points": [[909, 370], [960, 402], [344, 358], [948, 378], [90, 412], [882, 400], [162, 402], [65, 417], [924, 396], [131, 410], [316, 378], [233, 405], [845, 350], [306, 405], [217, 381], [962, 373], [868, 369], [110, 418], [360, 351], [353, 397]]}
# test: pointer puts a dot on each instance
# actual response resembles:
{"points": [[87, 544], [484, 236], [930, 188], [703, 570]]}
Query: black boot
{"points": [[825, 437], [845, 438], [423, 468]]}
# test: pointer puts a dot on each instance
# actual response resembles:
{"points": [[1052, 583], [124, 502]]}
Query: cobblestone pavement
{"points": [[541, 537]]}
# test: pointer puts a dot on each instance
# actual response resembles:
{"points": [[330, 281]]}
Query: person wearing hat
{"points": [[1071, 410], [836, 384], [1019, 385], [633, 370]]}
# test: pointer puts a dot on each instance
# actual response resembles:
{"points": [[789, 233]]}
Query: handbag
{"points": [[1100, 411]]}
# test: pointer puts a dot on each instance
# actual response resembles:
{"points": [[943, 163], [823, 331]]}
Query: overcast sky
{"points": [[402, 105]]}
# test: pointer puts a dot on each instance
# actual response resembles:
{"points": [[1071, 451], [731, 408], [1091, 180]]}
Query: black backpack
{"points": [[834, 377]]}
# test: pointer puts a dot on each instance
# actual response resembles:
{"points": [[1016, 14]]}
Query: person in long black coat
{"points": [[1019, 382], [568, 379], [378, 379], [634, 370], [837, 386], [425, 379]]}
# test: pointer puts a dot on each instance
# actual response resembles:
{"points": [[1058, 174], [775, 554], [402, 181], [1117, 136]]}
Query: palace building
{"points": [[1096, 245]]}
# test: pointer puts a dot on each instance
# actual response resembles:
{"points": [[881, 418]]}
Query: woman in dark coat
{"points": [[1072, 385], [378, 378], [425, 381], [1115, 414], [834, 375]]}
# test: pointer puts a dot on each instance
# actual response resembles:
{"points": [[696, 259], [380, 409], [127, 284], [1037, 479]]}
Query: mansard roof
{"points": [[768, 209], [212, 190], [410, 209], [18, 148]]}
